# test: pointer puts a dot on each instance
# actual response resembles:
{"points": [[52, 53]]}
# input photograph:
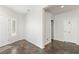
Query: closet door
{"points": [[74, 29], [67, 29], [71, 29]]}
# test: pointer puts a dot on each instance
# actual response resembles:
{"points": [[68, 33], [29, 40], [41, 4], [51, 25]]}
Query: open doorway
{"points": [[52, 30]]}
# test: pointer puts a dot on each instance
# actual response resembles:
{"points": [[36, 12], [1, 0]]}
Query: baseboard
{"points": [[6, 43], [47, 43], [69, 42], [41, 47]]}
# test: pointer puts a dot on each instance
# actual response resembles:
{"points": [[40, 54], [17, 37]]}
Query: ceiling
{"points": [[23, 9], [56, 9]]}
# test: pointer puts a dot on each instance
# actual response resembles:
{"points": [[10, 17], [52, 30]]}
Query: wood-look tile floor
{"points": [[58, 47], [55, 47]]}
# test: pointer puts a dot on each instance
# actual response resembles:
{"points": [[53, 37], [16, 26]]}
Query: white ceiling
{"points": [[23, 9], [56, 9]]}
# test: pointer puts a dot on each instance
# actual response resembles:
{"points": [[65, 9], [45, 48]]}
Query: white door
{"points": [[71, 29], [67, 29]]}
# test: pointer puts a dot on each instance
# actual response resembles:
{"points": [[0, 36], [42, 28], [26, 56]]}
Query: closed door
{"points": [[71, 29], [67, 29]]}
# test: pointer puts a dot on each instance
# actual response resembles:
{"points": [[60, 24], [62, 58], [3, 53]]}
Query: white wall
{"points": [[5, 26], [21, 26], [34, 30], [65, 31]]}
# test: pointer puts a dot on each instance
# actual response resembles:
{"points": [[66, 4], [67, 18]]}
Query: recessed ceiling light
{"points": [[62, 6]]}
